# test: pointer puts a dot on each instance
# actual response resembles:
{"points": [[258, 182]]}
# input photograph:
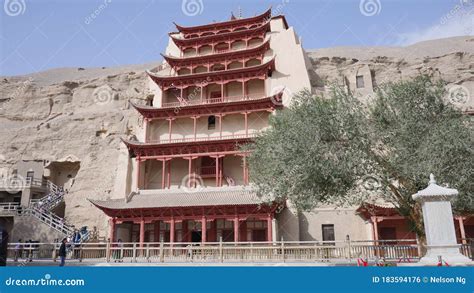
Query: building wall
{"points": [[345, 221], [291, 65]]}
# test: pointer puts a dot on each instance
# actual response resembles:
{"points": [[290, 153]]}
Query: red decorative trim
{"points": [[225, 37], [257, 105], [183, 213], [218, 57], [166, 82], [138, 149], [225, 24]]}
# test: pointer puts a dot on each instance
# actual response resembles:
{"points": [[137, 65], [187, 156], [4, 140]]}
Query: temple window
{"points": [[211, 122]]}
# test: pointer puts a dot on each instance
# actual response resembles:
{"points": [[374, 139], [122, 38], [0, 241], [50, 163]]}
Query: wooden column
{"points": [[246, 123], [202, 88], [145, 127], [222, 91], [236, 229], [220, 125], [203, 229], [269, 228], [375, 228], [170, 128], [138, 160], [243, 87], [112, 229], [244, 158], [142, 232], [169, 174], [217, 170], [163, 174], [172, 230], [462, 230], [195, 125]]}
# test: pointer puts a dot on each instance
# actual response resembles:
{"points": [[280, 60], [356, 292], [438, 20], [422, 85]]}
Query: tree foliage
{"points": [[340, 151]]}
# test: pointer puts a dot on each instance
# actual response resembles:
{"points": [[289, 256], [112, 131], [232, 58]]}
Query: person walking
{"points": [[62, 252], [18, 250]]}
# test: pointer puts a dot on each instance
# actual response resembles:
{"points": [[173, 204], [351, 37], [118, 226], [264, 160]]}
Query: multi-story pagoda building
{"points": [[187, 179]]}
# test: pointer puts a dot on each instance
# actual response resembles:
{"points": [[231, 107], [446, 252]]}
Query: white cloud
{"points": [[457, 22]]}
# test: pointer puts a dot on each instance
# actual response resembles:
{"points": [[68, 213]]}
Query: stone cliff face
{"points": [[83, 112]]}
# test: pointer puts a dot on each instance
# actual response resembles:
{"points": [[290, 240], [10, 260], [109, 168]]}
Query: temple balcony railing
{"points": [[193, 100], [207, 138]]}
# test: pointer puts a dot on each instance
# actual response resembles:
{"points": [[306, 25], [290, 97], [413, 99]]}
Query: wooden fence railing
{"points": [[225, 252]]}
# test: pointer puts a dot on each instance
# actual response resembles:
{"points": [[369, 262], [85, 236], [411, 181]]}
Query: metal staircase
{"points": [[42, 210]]}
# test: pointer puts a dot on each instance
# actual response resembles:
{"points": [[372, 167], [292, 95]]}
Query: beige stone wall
{"points": [[27, 227], [345, 221]]}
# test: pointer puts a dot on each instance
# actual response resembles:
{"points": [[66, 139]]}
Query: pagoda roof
{"points": [[180, 147], [228, 55], [187, 80], [167, 198], [225, 24], [205, 109], [190, 42]]}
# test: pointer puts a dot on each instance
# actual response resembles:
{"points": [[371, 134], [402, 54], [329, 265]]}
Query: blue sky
{"points": [[36, 35]]}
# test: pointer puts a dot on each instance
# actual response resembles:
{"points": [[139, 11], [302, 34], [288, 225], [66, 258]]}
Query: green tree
{"points": [[325, 150]]}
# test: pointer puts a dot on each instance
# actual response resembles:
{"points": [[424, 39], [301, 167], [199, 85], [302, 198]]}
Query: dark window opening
{"points": [[328, 232], [211, 122]]}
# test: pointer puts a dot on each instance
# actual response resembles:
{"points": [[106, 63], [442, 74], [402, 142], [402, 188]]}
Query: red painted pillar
{"points": [[243, 87], [195, 125], [244, 158], [170, 128], [204, 229], [112, 229], [142, 232], [269, 228], [222, 91], [236, 229], [246, 124], [190, 167], [145, 126], [163, 174], [462, 230], [221, 171], [217, 170], [169, 174], [375, 228], [138, 160], [172, 232], [220, 125]]}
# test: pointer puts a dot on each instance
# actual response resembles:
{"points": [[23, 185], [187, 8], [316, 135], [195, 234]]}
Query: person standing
{"points": [[62, 252], [18, 250]]}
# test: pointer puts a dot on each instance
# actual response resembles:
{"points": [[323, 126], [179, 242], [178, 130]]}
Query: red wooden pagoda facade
{"points": [[191, 176]]}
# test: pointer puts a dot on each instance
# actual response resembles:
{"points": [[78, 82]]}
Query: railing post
{"points": [[282, 249], [348, 248], [107, 251], [134, 252], [162, 252], [148, 252], [221, 252], [80, 252]]}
